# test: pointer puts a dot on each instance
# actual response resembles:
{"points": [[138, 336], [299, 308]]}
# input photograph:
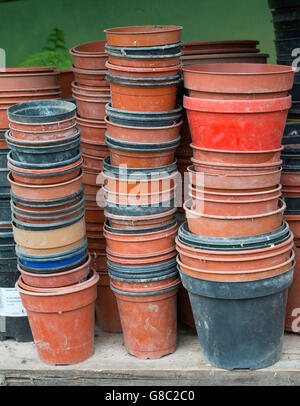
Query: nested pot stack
{"points": [[140, 183], [56, 284], [236, 256]]}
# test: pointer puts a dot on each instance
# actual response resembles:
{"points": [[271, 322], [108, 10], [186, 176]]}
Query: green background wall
{"points": [[25, 25]]}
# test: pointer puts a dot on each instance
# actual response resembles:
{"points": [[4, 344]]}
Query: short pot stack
{"points": [[286, 20], [235, 251], [56, 285], [140, 175]]}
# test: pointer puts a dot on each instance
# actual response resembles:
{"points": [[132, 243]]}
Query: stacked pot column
{"points": [[57, 287], [143, 124], [91, 92], [235, 252]]}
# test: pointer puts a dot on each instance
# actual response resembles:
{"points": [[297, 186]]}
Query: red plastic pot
{"points": [[219, 46], [132, 97], [235, 169], [294, 224], [98, 259], [139, 198], [184, 308], [107, 313], [43, 136], [238, 125], [141, 245], [91, 130], [143, 35], [291, 191], [91, 108], [18, 96], [65, 79], [144, 62], [230, 226], [92, 162], [238, 79], [28, 80], [95, 242], [290, 179], [90, 91], [40, 128], [93, 148], [62, 321], [238, 204], [158, 258], [90, 55], [89, 77], [257, 58], [94, 215], [215, 156], [143, 286], [142, 72], [142, 134], [229, 180], [147, 333], [56, 280]]}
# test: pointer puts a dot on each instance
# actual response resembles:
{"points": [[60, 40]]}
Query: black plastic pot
{"points": [[292, 204], [286, 25], [138, 210], [136, 81], [5, 210], [7, 243], [290, 160], [240, 324], [45, 154], [163, 51], [283, 3], [41, 111], [130, 146], [3, 157], [16, 327], [291, 133], [141, 173], [78, 205], [235, 243], [286, 14], [286, 45], [48, 203], [144, 278], [144, 119], [4, 183], [295, 91], [41, 166], [286, 34]]}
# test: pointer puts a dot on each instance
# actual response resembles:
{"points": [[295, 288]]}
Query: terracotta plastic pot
{"points": [[239, 204], [90, 55], [65, 78], [232, 169], [246, 124], [143, 284], [28, 80], [149, 260], [90, 91], [140, 198], [235, 261], [94, 148], [107, 313], [48, 176], [52, 191], [96, 242], [98, 260], [219, 46], [141, 245], [257, 58], [238, 78], [215, 156], [92, 162], [143, 35], [290, 179], [33, 128], [221, 226], [159, 338], [152, 62], [294, 224], [20, 96], [69, 312], [94, 215], [234, 181], [227, 276], [91, 130], [291, 319], [142, 72], [139, 222], [56, 280], [142, 134], [146, 97], [89, 77], [43, 136], [91, 108]]}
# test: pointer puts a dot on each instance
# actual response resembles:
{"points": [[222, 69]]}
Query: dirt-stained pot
{"points": [[70, 312], [65, 79], [91, 107], [91, 130], [90, 55], [89, 77]]}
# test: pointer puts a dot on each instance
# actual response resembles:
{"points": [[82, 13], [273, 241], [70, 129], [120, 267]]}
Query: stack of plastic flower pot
{"points": [[140, 178], [57, 288], [235, 251]]}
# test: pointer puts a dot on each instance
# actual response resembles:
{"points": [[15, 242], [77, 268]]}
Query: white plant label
{"points": [[11, 303]]}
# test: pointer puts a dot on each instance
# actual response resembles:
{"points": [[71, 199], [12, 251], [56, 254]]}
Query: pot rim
{"points": [[107, 121], [142, 218], [38, 187], [54, 171], [156, 235], [237, 166], [141, 70], [233, 193], [135, 31], [168, 285], [91, 122], [59, 130], [217, 151], [91, 72], [192, 170]]}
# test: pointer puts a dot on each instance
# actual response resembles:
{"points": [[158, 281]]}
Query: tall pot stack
{"points": [[140, 175], [236, 254], [57, 286]]}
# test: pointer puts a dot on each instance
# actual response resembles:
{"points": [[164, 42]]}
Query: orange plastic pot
{"points": [[91, 107], [46, 176], [294, 224], [46, 206], [227, 276], [235, 261], [144, 62], [89, 77], [143, 134], [137, 222], [98, 260], [139, 198], [219, 46], [141, 245], [290, 179], [56, 280], [107, 313], [292, 306], [226, 226], [94, 148], [143, 285], [158, 258], [28, 80], [239, 79], [149, 334], [142, 72], [143, 35], [94, 215], [41, 192], [212, 156], [58, 134], [141, 159], [20, 96], [96, 240], [247, 125], [92, 162], [62, 322], [90, 91], [234, 181], [235, 169], [130, 97], [184, 308], [90, 55], [291, 191], [65, 78], [92, 181], [239, 204], [91, 130], [40, 128]]}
